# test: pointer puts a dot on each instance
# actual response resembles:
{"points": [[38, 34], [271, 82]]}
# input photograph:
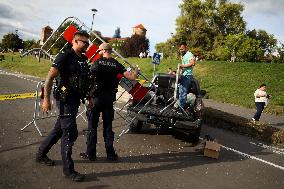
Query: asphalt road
{"points": [[150, 159]]}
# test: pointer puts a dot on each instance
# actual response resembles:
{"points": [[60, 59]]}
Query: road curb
{"points": [[261, 131]]}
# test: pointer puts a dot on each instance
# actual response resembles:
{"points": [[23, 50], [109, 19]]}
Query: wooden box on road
{"points": [[212, 149]]}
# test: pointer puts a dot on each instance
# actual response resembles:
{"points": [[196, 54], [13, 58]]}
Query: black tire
{"points": [[136, 126], [191, 136]]}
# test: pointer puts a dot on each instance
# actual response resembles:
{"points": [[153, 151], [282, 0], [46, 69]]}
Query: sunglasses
{"points": [[85, 42]]}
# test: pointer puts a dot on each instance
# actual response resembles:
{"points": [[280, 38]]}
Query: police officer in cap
{"points": [[70, 70], [105, 71]]}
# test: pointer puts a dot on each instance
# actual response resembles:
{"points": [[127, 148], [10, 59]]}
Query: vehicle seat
{"points": [[195, 87]]}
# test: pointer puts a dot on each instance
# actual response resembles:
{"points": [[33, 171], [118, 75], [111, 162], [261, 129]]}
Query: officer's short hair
{"points": [[81, 33], [105, 46]]}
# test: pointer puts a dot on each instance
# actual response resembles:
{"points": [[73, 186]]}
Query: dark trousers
{"points": [[259, 109], [103, 104], [66, 129]]}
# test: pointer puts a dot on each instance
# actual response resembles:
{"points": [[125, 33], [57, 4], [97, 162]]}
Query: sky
{"points": [[158, 16]]}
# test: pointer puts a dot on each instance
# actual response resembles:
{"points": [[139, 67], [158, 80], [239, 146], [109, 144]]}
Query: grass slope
{"points": [[227, 82]]}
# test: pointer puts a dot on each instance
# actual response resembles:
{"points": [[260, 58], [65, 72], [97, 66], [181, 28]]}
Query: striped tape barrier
{"points": [[17, 96]]}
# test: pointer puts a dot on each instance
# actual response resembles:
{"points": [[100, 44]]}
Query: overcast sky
{"points": [[158, 16]]}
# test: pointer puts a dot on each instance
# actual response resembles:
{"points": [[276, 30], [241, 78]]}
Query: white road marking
{"points": [[253, 157], [278, 151], [17, 75]]}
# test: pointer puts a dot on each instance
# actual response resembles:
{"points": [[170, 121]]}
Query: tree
{"points": [[229, 19], [134, 45], [267, 41], [249, 50], [201, 21], [239, 45], [169, 50], [28, 44], [12, 42], [280, 50], [117, 33]]}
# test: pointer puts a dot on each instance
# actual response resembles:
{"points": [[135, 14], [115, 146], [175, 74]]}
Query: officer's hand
{"points": [[46, 105], [91, 103]]}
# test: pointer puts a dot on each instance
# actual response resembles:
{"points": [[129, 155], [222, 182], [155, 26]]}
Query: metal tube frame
{"points": [[81, 24], [37, 110]]}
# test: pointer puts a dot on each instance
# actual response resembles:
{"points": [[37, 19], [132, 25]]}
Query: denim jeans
{"points": [[259, 109], [185, 84]]}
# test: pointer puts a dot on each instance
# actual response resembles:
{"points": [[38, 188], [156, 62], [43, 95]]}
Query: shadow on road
{"points": [[143, 164]]}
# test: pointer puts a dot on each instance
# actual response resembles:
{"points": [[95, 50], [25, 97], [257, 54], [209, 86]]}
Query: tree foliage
{"points": [[12, 42], [29, 44], [267, 41], [168, 49], [280, 57], [201, 22], [241, 46], [134, 45], [216, 30]]}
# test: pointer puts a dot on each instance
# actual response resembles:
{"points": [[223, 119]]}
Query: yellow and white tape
{"points": [[17, 96]]}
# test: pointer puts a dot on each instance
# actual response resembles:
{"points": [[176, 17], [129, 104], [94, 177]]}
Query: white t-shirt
{"points": [[262, 94]]}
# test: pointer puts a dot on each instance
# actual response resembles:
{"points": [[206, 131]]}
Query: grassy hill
{"points": [[228, 82], [232, 83]]}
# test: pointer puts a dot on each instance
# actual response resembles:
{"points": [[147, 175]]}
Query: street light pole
{"points": [[94, 12]]}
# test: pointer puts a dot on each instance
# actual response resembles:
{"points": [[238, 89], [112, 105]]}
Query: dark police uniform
{"points": [[69, 89], [105, 71]]}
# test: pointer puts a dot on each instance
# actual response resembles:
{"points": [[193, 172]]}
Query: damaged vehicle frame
{"points": [[161, 109]]}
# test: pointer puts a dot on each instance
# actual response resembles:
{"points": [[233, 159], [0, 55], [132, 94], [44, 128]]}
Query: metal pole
{"points": [[94, 12], [92, 22]]}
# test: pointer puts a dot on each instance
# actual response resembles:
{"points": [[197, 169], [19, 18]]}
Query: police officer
{"points": [[105, 71], [68, 69]]}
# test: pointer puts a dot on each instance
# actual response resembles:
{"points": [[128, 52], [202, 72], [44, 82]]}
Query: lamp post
{"points": [[94, 12]]}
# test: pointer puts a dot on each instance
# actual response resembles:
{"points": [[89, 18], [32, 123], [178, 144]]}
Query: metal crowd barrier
{"points": [[61, 38], [40, 115]]}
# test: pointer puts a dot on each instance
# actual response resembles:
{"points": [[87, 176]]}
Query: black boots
{"points": [[111, 155], [44, 159], [76, 177], [86, 156]]}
